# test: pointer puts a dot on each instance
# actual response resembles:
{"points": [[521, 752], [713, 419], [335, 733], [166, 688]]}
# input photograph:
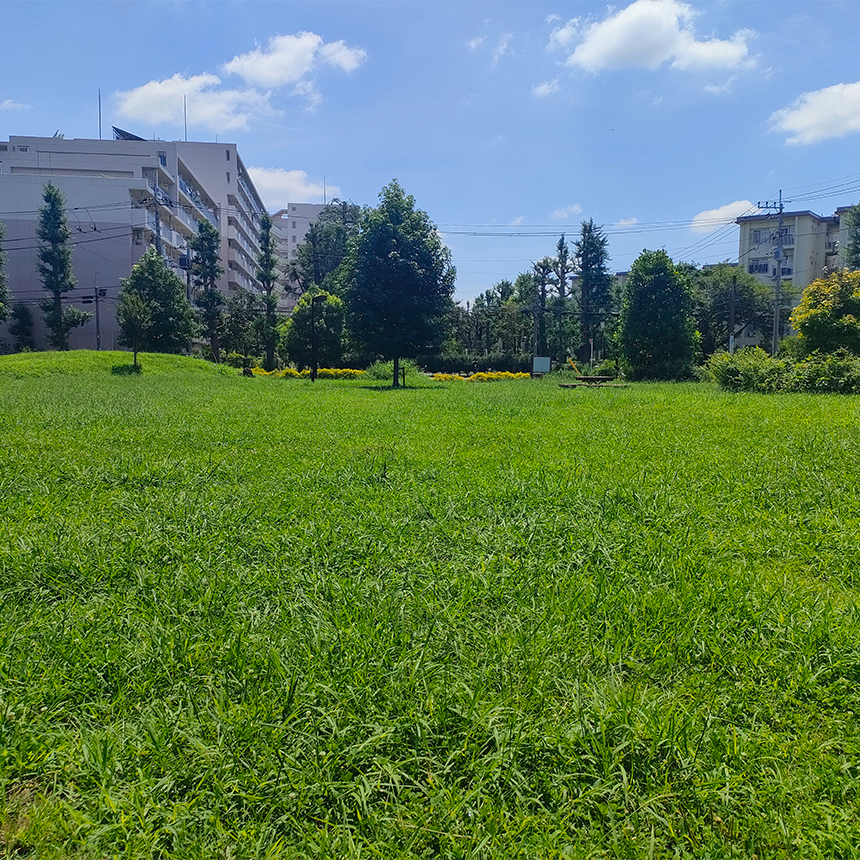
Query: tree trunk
{"points": [[270, 338], [396, 382], [214, 343]]}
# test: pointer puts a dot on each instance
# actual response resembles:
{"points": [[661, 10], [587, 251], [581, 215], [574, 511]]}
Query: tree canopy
{"points": [[657, 334], [328, 319], [398, 279], [595, 286], [828, 316], [171, 318]]}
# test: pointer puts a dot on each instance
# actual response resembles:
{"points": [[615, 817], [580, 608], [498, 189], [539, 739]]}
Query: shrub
{"points": [[752, 369], [463, 364]]}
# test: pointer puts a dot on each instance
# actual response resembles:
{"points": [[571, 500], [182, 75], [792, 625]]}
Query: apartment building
{"points": [[809, 243], [123, 196]]}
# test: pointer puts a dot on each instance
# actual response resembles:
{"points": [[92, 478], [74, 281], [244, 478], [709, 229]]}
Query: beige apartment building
{"points": [[289, 228], [123, 196], [809, 243]]}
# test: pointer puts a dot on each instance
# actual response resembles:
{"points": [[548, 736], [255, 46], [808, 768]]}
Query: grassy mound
{"points": [[88, 362]]}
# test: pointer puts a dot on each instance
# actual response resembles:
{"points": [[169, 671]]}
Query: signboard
{"points": [[540, 364]]}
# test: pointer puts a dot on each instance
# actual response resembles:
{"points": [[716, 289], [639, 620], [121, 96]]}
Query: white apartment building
{"points": [[122, 196]]}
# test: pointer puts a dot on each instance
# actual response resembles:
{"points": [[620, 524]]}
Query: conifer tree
{"points": [[595, 285], [267, 275], [55, 267], [206, 269]]}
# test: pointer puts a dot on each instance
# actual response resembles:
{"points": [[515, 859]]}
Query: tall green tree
{"points": [[245, 325], [328, 321], [206, 269], [658, 335], [595, 287], [399, 280], [55, 267], [541, 272], [851, 251], [171, 324], [267, 274], [21, 327], [4, 287]]}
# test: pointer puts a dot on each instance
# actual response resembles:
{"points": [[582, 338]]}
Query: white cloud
{"points": [[626, 222], [287, 59], [503, 47], [561, 37], [339, 55], [567, 211], [649, 33], [516, 222], [8, 104], [547, 88], [712, 219], [309, 92], [278, 187], [812, 117], [162, 102], [474, 44]]}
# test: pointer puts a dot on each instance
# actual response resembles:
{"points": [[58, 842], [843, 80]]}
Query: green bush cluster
{"points": [[465, 363], [752, 369]]}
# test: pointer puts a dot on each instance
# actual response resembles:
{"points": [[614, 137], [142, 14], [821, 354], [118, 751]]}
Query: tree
{"points": [[206, 269], [828, 316], [267, 275], [399, 280], [657, 337], [171, 325], [851, 252], [21, 327], [715, 288], [595, 287], [324, 248], [134, 316], [244, 327], [4, 289], [297, 333], [55, 267], [562, 337], [542, 271]]}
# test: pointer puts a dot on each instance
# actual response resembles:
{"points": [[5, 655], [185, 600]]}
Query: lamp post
{"points": [[314, 300]]}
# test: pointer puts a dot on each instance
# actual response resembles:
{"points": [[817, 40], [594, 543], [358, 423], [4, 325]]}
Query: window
{"points": [[23, 149], [162, 158], [228, 154], [294, 237], [294, 208], [1, 166], [759, 267], [761, 237], [294, 225], [4, 147], [228, 176]]}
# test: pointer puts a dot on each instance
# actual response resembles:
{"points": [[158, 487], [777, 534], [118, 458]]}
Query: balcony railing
{"points": [[194, 195]]}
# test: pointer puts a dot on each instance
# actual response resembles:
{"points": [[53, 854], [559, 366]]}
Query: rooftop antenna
{"points": [[185, 111], [100, 113], [324, 190]]}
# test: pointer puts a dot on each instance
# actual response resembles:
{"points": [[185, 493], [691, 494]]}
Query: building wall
{"points": [[290, 226], [114, 189]]}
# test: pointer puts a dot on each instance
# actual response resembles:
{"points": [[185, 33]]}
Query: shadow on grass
{"points": [[126, 370], [387, 387]]}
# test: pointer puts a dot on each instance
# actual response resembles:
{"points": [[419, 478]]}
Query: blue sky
{"points": [[509, 122]]}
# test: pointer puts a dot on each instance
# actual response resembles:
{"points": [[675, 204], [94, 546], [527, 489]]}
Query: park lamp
{"points": [[320, 297]]}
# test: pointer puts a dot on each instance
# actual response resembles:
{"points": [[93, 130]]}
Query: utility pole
{"points": [[777, 271], [732, 314], [98, 315]]}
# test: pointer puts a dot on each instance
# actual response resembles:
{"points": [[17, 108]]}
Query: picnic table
{"points": [[588, 381]]}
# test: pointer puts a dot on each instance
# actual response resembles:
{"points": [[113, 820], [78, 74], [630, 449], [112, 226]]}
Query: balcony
{"points": [[194, 196]]}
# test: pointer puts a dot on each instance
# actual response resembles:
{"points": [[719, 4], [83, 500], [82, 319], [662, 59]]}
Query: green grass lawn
{"points": [[269, 618]]}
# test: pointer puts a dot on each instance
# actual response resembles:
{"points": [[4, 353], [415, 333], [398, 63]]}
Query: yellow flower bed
{"points": [[322, 373], [480, 377]]}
